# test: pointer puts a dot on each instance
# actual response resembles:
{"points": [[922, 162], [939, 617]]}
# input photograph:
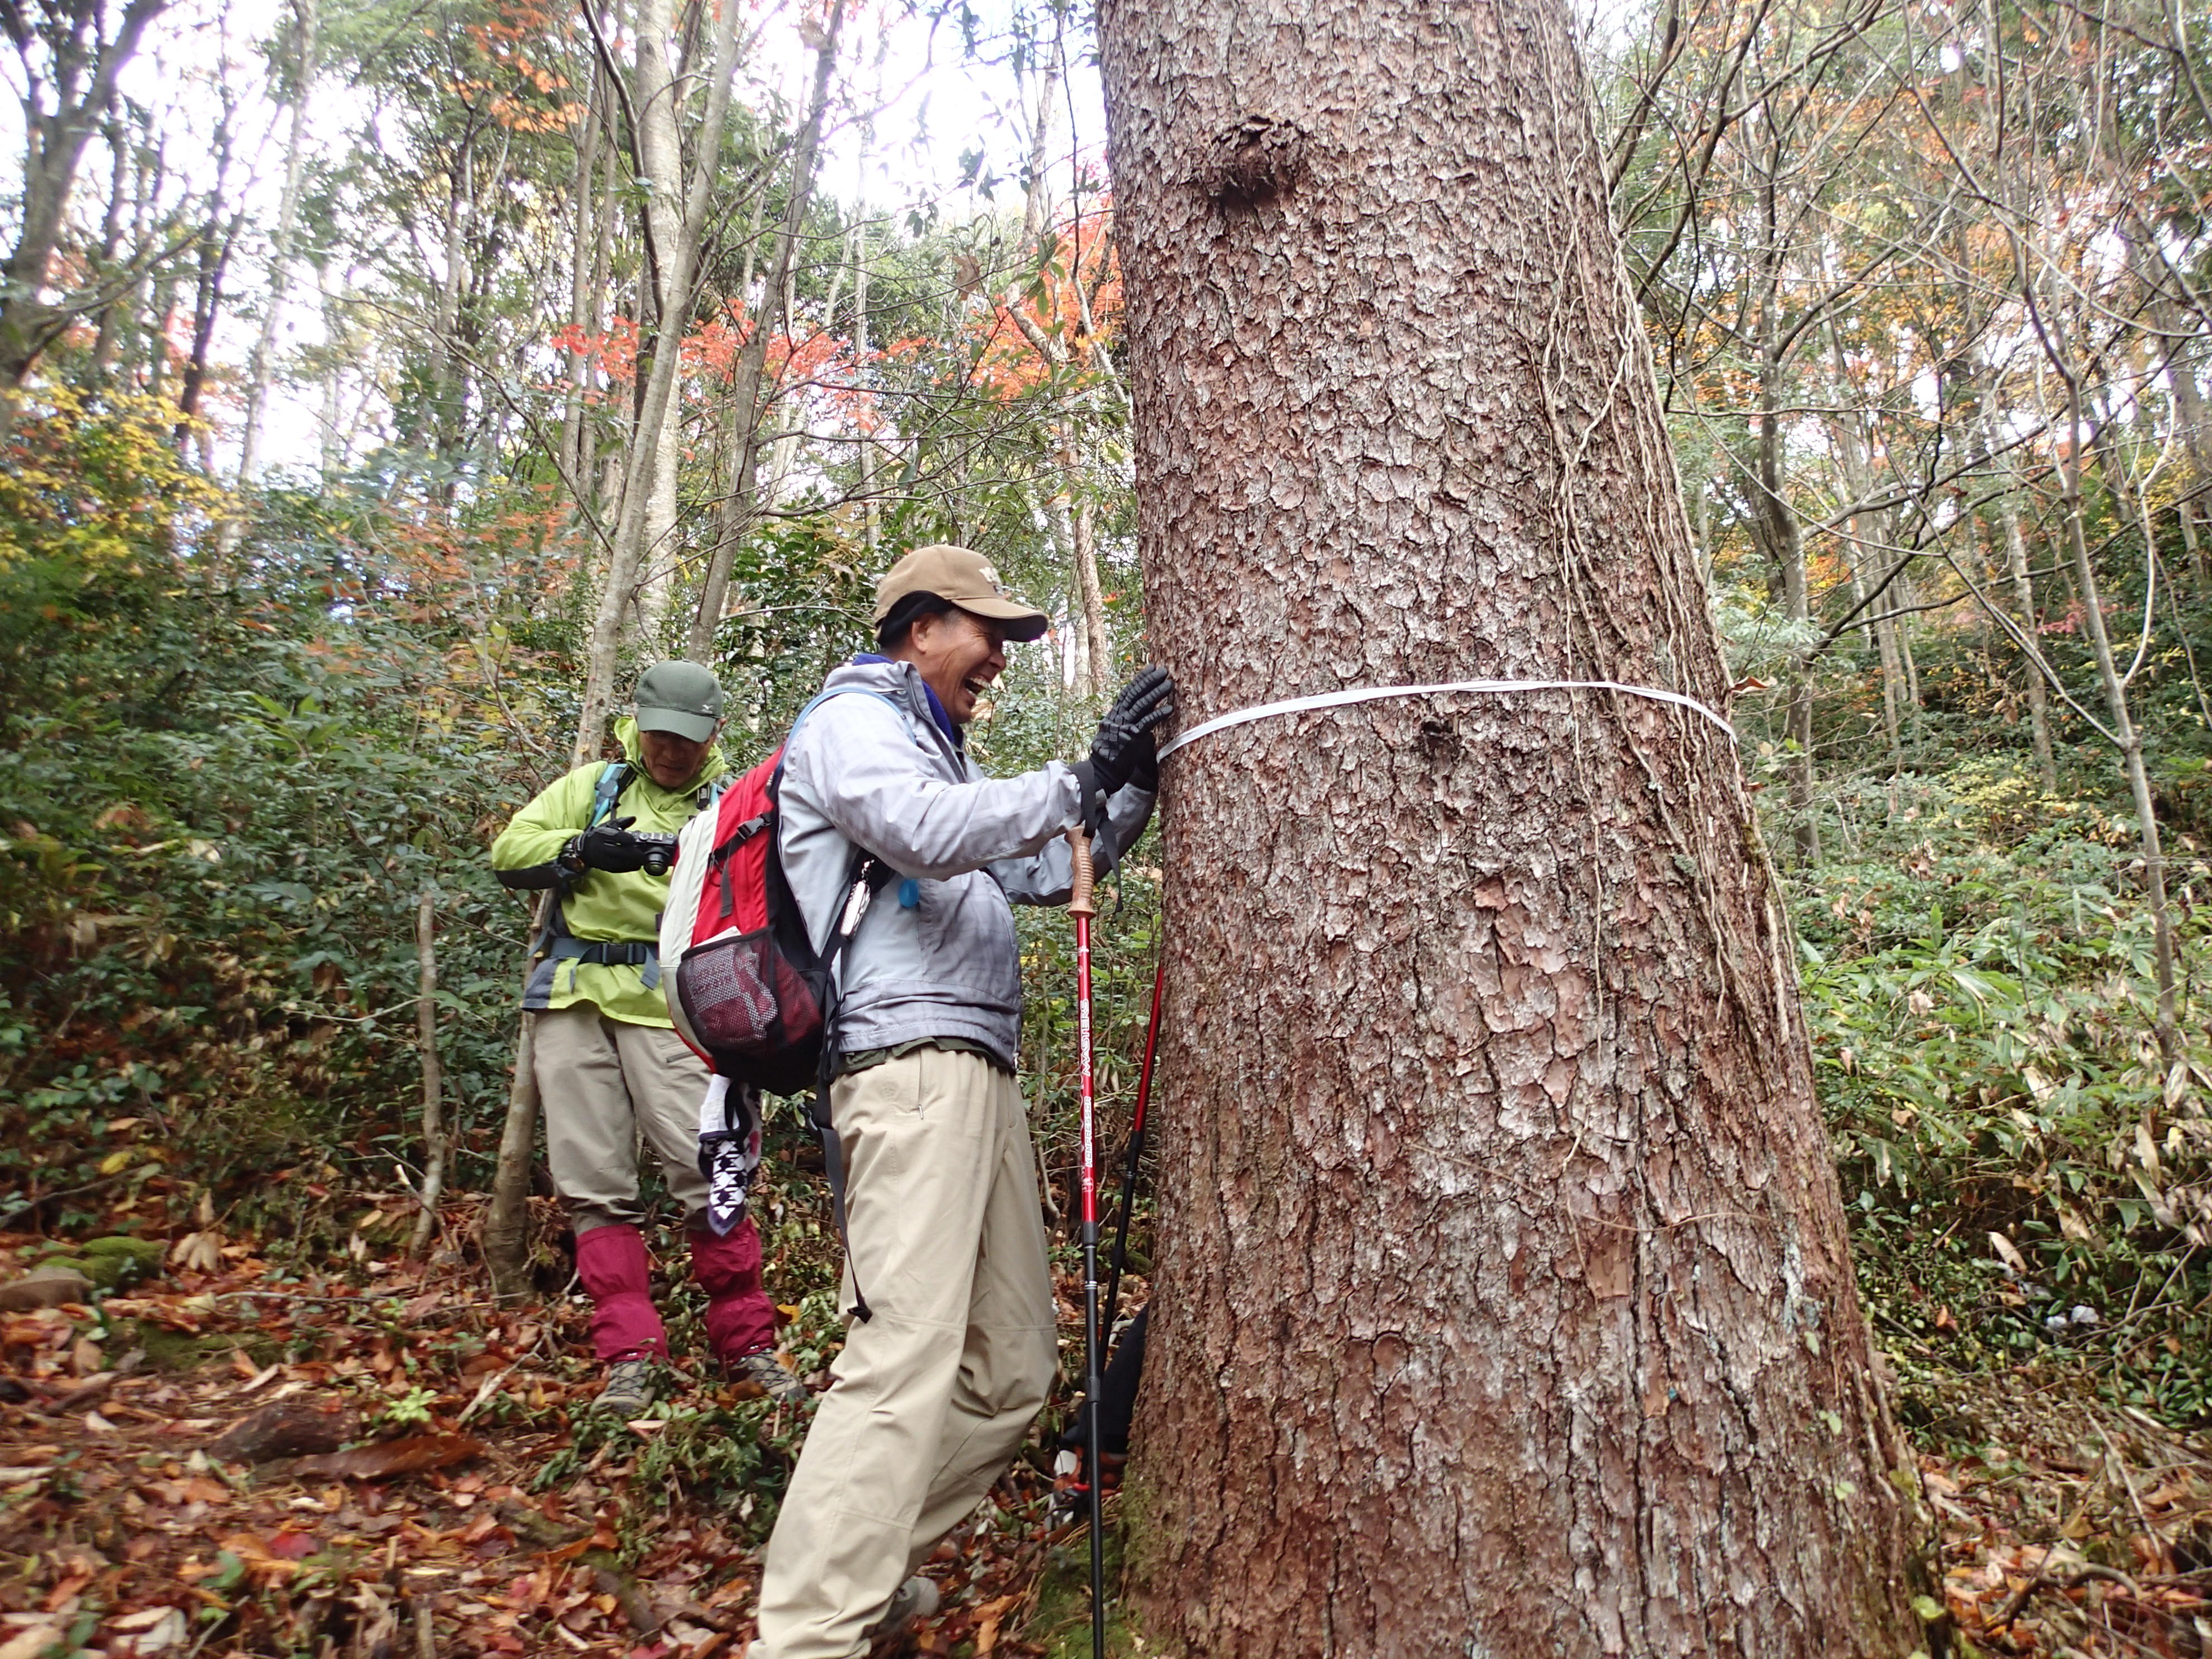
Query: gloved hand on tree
{"points": [[1125, 744], [607, 845], [1145, 770]]}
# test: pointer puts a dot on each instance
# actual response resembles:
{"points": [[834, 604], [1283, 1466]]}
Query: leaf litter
{"points": [[379, 1461], [376, 1461]]}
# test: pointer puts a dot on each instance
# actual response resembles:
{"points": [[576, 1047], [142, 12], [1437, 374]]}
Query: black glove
{"points": [[604, 847], [1124, 736], [1145, 770]]}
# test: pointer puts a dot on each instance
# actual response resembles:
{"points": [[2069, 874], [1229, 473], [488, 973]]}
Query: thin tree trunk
{"points": [[1074, 509], [2124, 731], [655, 406], [872, 512], [1786, 543], [214, 252], [1905, 594], [1059, 531], [84, 77], [1858, 482], [1098, 642], [579, 284], [1701, 522], [657, 96], [258, 369], [1885, 643], [506, 1236], [1503, 1306], [122, 333], [160, 348], [2023, 600], [745, 391], [436, 425], [602, 269], [426, 1044], [111, 231], [333, 446]]}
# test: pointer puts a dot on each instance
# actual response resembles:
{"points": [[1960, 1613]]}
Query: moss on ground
{"points": [[1061, 1623]]}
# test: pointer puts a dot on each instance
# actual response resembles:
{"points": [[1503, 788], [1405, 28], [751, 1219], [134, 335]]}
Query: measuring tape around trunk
{"points": [[1371, 693]]}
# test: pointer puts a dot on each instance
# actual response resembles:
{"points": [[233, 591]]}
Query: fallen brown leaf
{"points": [[387, 1458], [288, 1428]]}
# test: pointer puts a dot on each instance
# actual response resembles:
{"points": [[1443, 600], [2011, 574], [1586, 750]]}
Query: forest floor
{"points": [[429, 1483]]}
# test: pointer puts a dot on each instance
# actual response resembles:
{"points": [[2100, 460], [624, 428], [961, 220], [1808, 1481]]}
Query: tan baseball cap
{"points": [[965, 578]]}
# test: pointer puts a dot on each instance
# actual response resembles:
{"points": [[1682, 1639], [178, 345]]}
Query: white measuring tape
{"points": [[1369, 693]]}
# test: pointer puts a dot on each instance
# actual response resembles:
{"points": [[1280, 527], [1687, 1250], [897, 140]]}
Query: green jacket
{"points": [[600, 904]]}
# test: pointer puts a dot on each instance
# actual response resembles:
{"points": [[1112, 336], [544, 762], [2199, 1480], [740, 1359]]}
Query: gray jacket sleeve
{"points": [[856, 760], [1047, 876]]}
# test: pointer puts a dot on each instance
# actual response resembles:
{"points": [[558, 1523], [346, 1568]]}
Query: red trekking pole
{"points": [[1129, 1162], [1079, 907]]}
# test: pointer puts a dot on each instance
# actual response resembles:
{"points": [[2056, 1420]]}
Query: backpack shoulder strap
{"points": [[816, 701], [614, 777]]}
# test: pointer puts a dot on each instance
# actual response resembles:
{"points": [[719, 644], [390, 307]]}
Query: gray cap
{"points": [[680, 698]]}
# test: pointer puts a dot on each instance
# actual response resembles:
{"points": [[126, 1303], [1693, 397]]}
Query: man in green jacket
{"points": [[609, 1066]]}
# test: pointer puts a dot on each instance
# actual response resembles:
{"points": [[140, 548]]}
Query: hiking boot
{"points": [[761, 1371], [630, 1389], [912, 1602]]}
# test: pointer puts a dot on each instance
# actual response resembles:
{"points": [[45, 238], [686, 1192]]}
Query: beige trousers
{"points": [[931, 1398], [603, 1081]]}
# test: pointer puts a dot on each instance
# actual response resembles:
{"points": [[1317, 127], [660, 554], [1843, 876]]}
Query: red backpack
{"points": [[750, 988], [750, 992]]}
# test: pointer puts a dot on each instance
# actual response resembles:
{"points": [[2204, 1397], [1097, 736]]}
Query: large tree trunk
{"points": [[1504, 1305]]}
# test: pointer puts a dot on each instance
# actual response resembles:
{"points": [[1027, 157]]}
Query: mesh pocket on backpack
{"points": [[744, 1000]]}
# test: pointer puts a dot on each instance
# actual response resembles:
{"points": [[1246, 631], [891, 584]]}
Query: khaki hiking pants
{"points": [[603, 1082], [931, 1398]]}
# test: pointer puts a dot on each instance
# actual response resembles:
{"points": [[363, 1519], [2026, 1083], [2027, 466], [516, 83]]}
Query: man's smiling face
{"points": [[959, 654]]}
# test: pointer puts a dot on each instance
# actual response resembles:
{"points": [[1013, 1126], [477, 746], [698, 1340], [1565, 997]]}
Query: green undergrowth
{"points": [[1059, 1625], [2027, 1177]]}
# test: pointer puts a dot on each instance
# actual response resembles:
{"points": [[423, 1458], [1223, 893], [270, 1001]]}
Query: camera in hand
{"points": [[658, 851]]}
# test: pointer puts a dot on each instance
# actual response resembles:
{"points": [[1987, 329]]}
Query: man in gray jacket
{"points": [[939, 1382]]}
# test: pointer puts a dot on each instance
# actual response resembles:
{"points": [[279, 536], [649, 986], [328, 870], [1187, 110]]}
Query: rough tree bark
{"points": [[1503, 1306]]}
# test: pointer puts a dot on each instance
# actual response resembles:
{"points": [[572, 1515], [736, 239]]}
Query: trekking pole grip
{"points": [[1079, 896]]}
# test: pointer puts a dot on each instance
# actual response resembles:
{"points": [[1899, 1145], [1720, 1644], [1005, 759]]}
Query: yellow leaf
{"points": [[115, 1162]]}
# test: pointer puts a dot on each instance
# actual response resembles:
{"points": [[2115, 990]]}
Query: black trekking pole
{"points": [[1129, 1163], [1079, 907]]}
